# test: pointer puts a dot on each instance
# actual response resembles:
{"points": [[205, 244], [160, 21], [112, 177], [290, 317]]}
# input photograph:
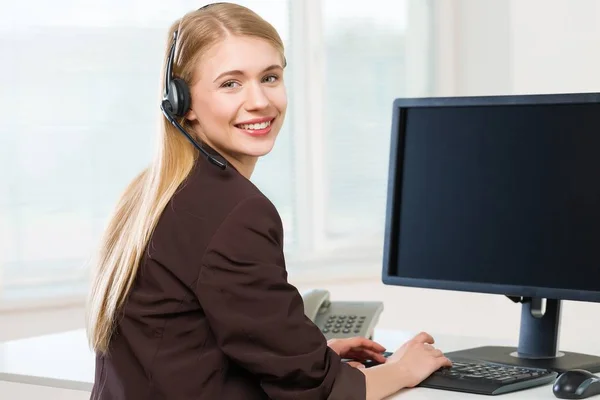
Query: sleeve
{"points": [[258, 318]]}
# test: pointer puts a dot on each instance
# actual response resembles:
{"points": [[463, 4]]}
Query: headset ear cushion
{"points": [[179, 97]]}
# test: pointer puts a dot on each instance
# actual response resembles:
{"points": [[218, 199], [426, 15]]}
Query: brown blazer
{"points": [[211, 315]]}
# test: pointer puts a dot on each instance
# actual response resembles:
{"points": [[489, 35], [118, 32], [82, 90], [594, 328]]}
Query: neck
{"points": [[244, 165]]}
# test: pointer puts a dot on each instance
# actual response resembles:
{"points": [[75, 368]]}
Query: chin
{"points": [[258, 148]]}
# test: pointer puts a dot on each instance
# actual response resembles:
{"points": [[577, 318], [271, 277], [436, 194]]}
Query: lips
{"points": [[257, 126]]}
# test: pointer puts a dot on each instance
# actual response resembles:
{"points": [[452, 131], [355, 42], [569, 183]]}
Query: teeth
{"points": [[262, 125]]}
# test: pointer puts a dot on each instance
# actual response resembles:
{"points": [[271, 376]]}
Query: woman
{"points": [[190, 299]]}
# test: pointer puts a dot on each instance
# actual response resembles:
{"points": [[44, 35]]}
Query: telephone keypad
{"points": [[347, 324]]}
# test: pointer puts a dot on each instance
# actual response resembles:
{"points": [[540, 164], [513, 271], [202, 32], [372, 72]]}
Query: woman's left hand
{"points": [[358, 349]]}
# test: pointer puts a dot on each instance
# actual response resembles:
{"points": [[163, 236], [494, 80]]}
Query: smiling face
{"points": [[239, 99]]}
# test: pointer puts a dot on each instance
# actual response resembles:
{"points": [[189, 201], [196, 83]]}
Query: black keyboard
{"points": [[482, 377]]}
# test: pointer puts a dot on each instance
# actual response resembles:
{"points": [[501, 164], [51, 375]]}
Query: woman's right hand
{"points": [[405, 368], [417, 359]]}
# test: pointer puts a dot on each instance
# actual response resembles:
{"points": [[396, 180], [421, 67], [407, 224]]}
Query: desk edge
{"points": [[48, 382]]}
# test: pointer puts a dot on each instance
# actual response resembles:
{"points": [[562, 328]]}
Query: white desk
{"points": [[64, 361]]}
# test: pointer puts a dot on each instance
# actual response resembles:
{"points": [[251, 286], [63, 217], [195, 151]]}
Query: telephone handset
{"points": [[341, 319]]}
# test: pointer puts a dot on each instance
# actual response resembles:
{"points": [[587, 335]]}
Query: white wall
{"points": [[514, 46], [557, 50], [472, 47]]}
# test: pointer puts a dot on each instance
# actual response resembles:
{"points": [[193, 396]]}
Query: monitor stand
{"points": [[538, 342]]}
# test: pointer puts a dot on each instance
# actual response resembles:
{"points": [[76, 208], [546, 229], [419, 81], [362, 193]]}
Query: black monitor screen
{"points": [[504, 194]]}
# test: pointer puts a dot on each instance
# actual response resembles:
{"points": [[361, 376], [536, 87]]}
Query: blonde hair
{"points": [[145, 198]]}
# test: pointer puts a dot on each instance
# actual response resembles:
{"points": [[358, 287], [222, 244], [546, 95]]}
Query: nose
{"points": [[256, 98]]}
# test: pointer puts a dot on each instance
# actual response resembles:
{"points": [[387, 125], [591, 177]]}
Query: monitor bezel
{"points": [[394, 187]]}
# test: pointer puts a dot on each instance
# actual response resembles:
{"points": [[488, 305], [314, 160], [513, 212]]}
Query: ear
{"points": [[191, 115]]}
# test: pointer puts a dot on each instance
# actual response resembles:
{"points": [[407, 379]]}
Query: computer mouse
{"points": [[576, 384]]}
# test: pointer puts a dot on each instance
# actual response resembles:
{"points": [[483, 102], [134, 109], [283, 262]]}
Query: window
{"points": [[365, 69], [355, 60], [82, 90]]}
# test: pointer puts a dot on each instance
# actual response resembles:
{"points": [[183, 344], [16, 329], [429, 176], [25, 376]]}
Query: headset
{"points": [[176, 102]]}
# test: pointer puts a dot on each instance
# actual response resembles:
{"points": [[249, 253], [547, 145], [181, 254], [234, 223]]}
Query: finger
{"points": [[424, 337], [356, 364], [444, 361], [437, 353], [359, 341], [372, 345], [378, 357], [354, 341], [343, 346], [365, 354]]}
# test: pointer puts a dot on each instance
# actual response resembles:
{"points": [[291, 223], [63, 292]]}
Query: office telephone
{"points": [[341, 319]]}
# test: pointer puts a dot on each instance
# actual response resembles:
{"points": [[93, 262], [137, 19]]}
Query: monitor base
{"points": [[508, 355]]}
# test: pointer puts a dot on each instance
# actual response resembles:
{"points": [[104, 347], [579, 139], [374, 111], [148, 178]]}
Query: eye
{"points": [[229, 84], [271, 78]]}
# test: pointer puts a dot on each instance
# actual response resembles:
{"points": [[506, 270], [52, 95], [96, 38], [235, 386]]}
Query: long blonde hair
{"points": [[145, 198]]}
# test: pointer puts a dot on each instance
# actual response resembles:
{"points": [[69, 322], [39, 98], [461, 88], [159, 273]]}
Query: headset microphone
{"points": [[176, 103]]}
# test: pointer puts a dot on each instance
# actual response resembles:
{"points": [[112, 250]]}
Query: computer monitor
{"points": [[499, 195]]}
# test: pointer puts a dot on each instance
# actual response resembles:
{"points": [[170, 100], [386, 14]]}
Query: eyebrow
{"points": [[238, 72]]}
